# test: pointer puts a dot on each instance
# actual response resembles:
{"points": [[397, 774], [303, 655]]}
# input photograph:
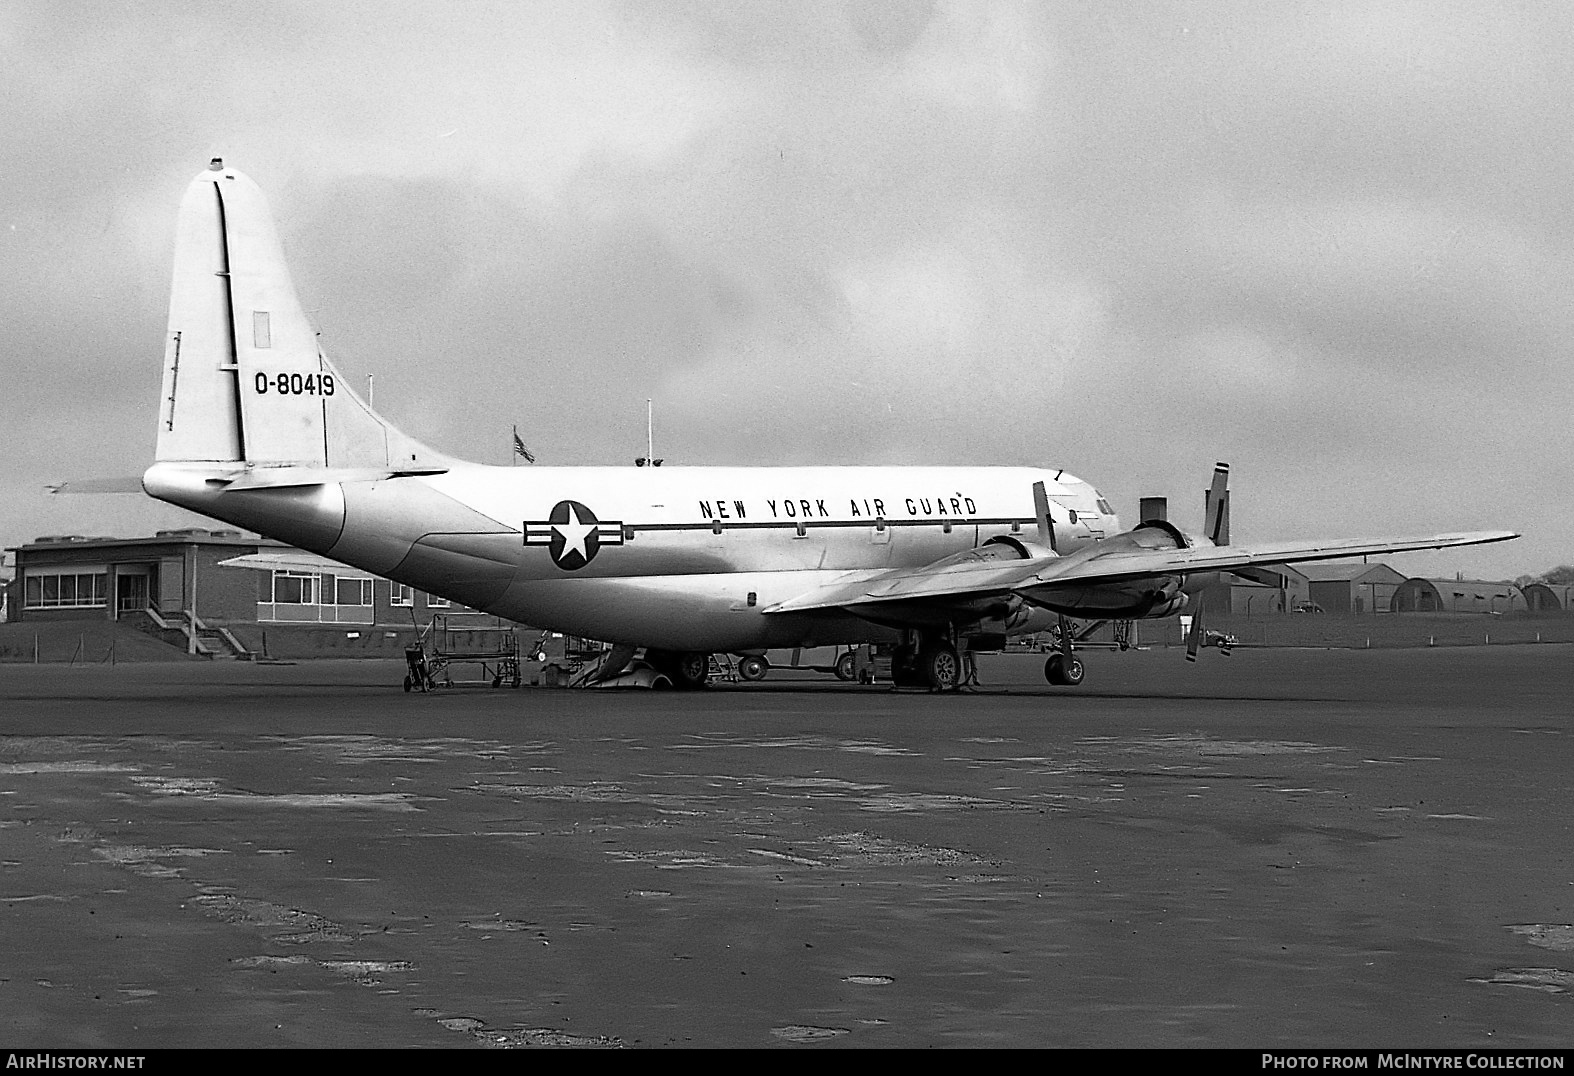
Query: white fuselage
{"points": [[684, 558]]}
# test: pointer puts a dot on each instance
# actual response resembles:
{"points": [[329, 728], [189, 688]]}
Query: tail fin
{"points": [[244, 377]]}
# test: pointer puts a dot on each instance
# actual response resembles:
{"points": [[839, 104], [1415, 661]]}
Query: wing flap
{"points": [[850, 589], [941, 579]]}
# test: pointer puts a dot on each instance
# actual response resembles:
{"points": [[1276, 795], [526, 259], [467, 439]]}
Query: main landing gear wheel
{"points": [[686, 670], [753, 668], [941, 667], [1061, 670], [693, 669], [846, 666]]}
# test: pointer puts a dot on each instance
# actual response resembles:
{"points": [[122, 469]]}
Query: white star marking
{"points": [[574, 534]]}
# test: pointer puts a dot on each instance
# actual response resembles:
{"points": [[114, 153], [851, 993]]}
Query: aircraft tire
{"points": [[692, 669], [845, 666], [674, 665], [941, 667], [407, 684], [753, 667], [1057, 671]]}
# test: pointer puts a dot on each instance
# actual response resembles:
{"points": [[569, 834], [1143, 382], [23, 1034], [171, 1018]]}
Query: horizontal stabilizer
{"points": [[287, 477], [97, 485], [293, 561]]}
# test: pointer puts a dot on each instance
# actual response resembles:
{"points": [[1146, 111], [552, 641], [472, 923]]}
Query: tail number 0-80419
{"points": [[294, 384]]}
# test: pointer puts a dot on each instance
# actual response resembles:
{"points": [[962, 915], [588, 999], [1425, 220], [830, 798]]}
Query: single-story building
{"points": [[176, 584]]}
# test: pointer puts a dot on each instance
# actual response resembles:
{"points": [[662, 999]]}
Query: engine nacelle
{"points": [[1017, 549], [1002, 548], [1151, 534], [1142, 600], [1135, 600], [979, 614]]}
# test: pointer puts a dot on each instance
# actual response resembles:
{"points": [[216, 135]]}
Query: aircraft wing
{"points": [[1090, 566]]}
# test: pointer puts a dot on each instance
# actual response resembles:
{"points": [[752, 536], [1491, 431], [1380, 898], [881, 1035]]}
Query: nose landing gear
{"points": [[1063, 667], [1061, 670]]}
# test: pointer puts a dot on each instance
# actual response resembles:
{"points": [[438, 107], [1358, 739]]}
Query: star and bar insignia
{"points": [[573, 535]]}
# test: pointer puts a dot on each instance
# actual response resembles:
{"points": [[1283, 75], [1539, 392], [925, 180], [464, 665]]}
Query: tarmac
{"points": [[1278, 848]]}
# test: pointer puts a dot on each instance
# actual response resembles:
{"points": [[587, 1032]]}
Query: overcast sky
{"points": [[1332, 244]]}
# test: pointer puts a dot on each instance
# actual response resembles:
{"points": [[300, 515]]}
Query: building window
{"points": [[399, 594], [294, 588], [64, 590], [434, 602], [352, 591], [315, 598]]}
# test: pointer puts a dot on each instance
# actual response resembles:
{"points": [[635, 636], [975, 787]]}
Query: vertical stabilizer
{"points": [[199, 417], [244, 377]]}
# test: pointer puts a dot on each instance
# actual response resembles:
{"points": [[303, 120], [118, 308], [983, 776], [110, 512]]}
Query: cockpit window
{"points": [[1105, 507]]}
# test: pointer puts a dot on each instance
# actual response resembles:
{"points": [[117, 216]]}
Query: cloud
{"points": [[1332, 244]]}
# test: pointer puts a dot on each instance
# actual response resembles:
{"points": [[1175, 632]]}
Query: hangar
{"points": [[1343, 587], [1331, 587], [1419, 595], [1549, 597]]}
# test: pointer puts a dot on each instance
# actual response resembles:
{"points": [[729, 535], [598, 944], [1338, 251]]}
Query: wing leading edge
{"points": [[1091, 566]]}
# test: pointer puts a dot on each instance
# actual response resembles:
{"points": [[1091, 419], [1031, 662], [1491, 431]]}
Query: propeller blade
{"points": [[1216, 527], [1194, 636], [1046, 523]]}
